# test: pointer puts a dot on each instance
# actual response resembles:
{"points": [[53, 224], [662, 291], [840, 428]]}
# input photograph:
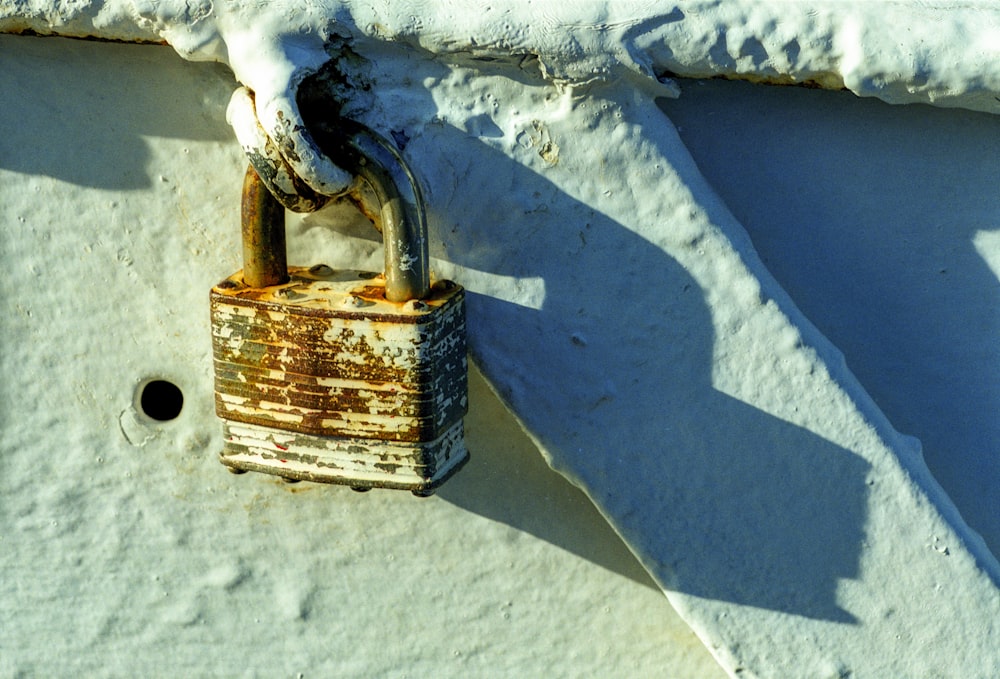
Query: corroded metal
{"points": [[404, 230], [262, 151], [344, 377], [360, 463], [322, 378], [263, 225], [329, 355]]}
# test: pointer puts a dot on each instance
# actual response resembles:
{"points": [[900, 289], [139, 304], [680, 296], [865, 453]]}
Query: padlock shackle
{"points": [[263, 226], [361, 151]]}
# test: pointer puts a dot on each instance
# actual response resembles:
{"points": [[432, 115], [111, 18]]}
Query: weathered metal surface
{"points": [[263, 225], [326, 359], [360, 463], [342, 376], [327, 354], [404, 230], [281, 180]]}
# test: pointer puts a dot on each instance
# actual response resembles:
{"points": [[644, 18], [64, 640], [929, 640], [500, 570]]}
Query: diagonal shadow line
{"points": [[508, 481], [612, 377], [882, 259], [720, 498]]}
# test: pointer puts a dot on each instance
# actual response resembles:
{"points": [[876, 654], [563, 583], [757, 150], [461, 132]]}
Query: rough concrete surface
{"points": [[127, 549], [615, 303]]}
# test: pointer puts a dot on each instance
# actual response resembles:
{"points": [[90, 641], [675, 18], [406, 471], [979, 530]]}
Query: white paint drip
{"points": [[946, 55]]}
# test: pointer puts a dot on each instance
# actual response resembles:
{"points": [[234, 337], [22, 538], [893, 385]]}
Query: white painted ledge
{"points": [[622, 312], [900, 51]]}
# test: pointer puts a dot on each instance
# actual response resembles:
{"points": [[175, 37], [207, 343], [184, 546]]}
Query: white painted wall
{"points": [[623, 312], [887, 240], [127, 550]]}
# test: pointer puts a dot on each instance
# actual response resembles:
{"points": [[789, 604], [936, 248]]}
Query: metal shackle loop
{"points": [[366, 154], [263, 229], [362, 152]]}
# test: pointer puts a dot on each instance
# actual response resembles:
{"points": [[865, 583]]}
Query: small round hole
{"points": [[161, 400]]}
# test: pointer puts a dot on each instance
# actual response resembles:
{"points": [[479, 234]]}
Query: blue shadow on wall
{"points": [[110, 155], [719, 498], [866, 213]]}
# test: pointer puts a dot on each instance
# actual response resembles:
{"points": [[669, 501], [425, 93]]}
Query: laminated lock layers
{"points": [[325, 356]]}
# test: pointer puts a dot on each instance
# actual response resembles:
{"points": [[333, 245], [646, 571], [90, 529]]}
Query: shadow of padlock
{"points": [[336, 376]]}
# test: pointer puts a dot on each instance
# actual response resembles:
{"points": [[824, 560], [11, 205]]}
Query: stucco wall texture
{"points": [[127, 549], [737, 320]]}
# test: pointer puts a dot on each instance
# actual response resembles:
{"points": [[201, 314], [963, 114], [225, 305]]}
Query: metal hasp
{"points": [[342, 376]]}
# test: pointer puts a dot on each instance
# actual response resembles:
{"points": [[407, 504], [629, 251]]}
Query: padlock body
{"points": [[360, 463], [321, 378]]}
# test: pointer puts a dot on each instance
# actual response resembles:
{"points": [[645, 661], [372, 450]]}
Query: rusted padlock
{"points": [[347, 377]]}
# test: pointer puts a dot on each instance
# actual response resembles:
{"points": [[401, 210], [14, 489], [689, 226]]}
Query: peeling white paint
{"points": [[662, 369], [946, 54], [118, 556]]}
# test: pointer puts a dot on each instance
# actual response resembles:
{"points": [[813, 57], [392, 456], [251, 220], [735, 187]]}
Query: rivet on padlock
{"points": [[342, 376]]}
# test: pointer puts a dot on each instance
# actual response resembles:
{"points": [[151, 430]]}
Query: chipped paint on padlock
{"points": [[404, 228], [274, 170], [382, 370], [323, 389], [343, 376], [356, 462]]}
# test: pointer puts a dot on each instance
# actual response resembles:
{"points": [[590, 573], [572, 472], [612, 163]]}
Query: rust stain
{"points": [[358, 463], [263, 226], [339, 383]]}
